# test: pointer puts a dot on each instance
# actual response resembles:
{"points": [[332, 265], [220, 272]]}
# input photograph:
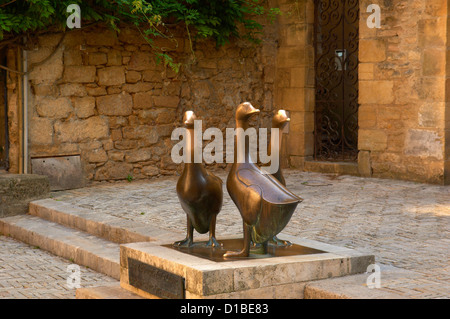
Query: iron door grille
{"points": [[336, 33]]}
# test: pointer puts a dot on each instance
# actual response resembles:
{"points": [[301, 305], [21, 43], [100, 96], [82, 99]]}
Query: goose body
{"points": [[200, 194], [279, 121], [266, 205]]}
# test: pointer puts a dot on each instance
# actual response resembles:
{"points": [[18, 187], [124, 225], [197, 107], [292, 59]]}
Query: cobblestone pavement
{"points": [[30, 273], [404, 224]]}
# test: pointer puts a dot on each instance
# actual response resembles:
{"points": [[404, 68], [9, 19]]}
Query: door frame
{"points": [[4, 125]]}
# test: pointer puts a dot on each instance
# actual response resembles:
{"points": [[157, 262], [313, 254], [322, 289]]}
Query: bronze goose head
{"points": [[188, 119]]}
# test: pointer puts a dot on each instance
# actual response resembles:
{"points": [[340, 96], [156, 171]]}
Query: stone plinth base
{"points": [[153, 270]]}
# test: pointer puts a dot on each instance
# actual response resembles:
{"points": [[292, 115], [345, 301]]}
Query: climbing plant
{"points": [[217, 19]]}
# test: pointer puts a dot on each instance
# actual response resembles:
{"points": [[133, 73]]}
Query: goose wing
{"points": [[271, 189]]}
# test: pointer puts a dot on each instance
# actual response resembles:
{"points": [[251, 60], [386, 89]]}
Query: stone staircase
{"points": [[83, 236]]}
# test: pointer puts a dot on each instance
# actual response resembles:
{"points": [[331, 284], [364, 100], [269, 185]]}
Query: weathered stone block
{"points": [[373, 50], [432, 88], [301, 122], [292, 99], [79, 74], [432, 115], [432, 32], [364, 164], [140, 155], [366, 71], [84, 106], [73, 57], [116, 104], [95, 127], [129, 35], [367, 116], [96, 91], [141, 61], [50, 71], [41, 130], [72, 89], [141, 132], [114, 171], [424, 143], [376, 92], [114, 58], [150, 170], [143, 100], [102, 37], [434, 62], [138, 87], [301, 144], [372, 140], [97, 58], [297, 34], [166, 116], [133, 76], [113, 75], [126, 144], [44, 90], [291, 57], [96, 156], [59, 108], [17, 191], [166, 101]]}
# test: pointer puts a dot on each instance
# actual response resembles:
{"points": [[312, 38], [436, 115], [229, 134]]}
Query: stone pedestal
{"points": [[156, 270]]}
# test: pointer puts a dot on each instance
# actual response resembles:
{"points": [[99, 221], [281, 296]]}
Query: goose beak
{"points": [[189, 118]]}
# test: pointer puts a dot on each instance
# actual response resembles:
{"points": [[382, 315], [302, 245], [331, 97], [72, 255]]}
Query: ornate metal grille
{"points": [[336, 66]]}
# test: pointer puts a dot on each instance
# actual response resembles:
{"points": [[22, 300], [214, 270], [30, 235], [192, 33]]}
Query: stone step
{"points": [[79, 247], [106, 226], [106, 292], [355, 286], [340, 168]]}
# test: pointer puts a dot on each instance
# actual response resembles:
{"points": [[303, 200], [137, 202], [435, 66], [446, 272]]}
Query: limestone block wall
{"points": [[294, 86], [102, 95], [402, 90]]}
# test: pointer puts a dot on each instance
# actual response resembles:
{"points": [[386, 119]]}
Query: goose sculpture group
{"points": [[264, 202]]}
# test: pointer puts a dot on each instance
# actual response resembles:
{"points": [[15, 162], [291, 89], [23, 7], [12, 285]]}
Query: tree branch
{"points": [[5, 4]]}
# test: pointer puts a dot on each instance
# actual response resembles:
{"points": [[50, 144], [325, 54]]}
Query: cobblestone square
{"points": [[404, 224]]}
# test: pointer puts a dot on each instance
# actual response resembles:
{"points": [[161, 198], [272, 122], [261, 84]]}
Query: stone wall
{"points": [[102, 96], [294, 86], [402, 89]]}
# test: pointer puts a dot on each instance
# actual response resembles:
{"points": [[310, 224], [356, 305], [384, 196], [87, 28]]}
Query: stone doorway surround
{"points": [[403, 116], [3, 115]]}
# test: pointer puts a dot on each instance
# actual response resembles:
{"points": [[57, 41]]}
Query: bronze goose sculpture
{"points": [[266, 206], [200, 193], [279, 121]]}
